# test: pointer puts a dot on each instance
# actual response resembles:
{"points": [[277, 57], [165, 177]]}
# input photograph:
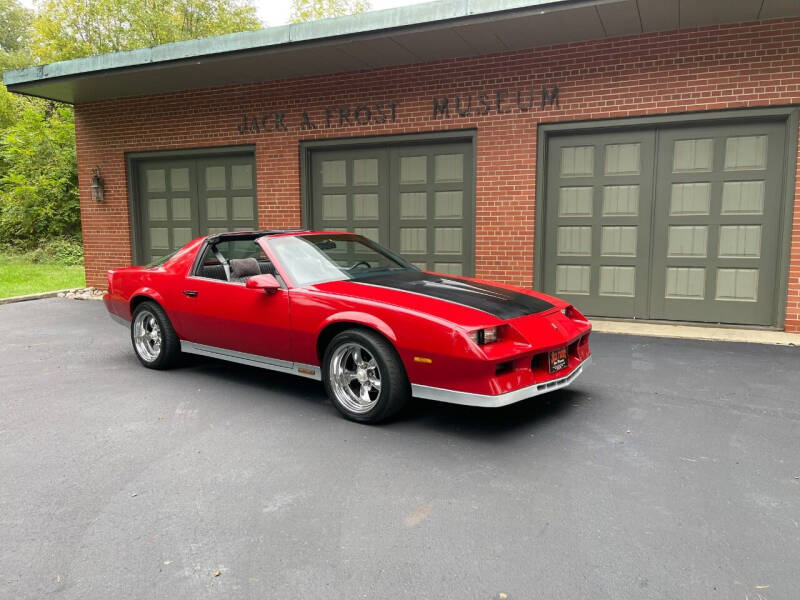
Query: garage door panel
{"points": [[685, 283], [365, 172], [573, 279], [576, 201], [619, 280], [619, 240], [678, 223], [598, 196], [226, 189], [572, 240], [414, 169], [350, 193], [413, 206], [692, 198], [620, 200], [416, 199], [576, 160], [167, 217], [718, 260], [745, 197], [623, 158], [180, 199], [431, 206]]}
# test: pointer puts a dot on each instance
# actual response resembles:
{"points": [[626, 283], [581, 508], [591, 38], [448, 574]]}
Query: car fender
{"points": [[360, 318], [149, 293]]}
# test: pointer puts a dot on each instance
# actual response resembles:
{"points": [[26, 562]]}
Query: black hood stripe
{"points": [[502, 303]]}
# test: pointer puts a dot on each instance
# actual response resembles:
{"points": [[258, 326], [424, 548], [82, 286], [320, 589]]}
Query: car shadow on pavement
{"points": [[471, 421], [233, 375], [466, 421]]}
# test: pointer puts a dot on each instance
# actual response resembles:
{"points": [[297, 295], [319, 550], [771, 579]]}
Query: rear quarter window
{"points": [[160, 261]]}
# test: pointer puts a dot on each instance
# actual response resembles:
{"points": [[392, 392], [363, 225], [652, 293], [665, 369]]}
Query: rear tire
{"points": [[364, 377], [154, 340]]}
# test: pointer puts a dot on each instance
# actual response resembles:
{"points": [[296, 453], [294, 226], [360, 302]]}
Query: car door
{"points": [[230, 316]]}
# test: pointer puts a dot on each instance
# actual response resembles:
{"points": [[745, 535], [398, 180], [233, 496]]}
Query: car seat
{"points": [[243, 269]]}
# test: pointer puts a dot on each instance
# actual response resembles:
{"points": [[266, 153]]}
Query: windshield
{"points": [[319, 258]]}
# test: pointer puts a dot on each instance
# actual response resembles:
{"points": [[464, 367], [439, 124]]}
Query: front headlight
{"points": [[487, 335]]}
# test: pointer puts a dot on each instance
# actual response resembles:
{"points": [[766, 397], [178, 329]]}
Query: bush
{"points": [[39, 182], [62, 251]]}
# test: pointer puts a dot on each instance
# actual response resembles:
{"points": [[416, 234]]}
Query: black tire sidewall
{"points": [[394, 383], [169, 341]]}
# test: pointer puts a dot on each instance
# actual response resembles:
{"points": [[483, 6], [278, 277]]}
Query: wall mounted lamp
{"points": [[97, 185]]}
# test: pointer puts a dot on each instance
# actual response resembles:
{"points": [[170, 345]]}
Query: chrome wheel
{"points": [[355, 377], [147, 336]]}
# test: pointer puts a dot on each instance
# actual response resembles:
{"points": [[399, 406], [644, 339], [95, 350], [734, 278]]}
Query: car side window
{"points": [[210, 266]]}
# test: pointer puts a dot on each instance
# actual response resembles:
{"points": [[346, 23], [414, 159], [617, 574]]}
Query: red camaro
{"points": [[339, 308]]}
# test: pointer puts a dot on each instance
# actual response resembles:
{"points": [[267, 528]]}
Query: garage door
{"points": [[417, 200], [180, 199], [674, 223]]}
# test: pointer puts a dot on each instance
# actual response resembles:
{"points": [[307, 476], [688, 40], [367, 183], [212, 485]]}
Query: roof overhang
{"points": [[410, 34]]}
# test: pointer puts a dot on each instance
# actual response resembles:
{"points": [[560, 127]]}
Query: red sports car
{"points": [[339, 308]]}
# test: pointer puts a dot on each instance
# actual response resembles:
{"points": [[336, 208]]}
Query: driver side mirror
{"points": [[267, 282]]}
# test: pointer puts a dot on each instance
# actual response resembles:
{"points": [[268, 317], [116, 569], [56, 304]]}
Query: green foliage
{"points": [[59, 251], [64, 251], [11, 106], [39, 187], [38, 177], [15, 20], [313, 10], [65, 29]]}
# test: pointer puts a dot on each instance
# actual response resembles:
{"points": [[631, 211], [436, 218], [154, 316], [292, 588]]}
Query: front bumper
{"points": [[488, 401]]}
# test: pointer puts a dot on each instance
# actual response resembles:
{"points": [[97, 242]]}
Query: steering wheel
{"points": [[364, 263]]}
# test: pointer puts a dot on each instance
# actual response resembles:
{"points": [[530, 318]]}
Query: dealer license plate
{"points": [[558, 359]]}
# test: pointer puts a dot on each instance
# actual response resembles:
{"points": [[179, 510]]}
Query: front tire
{"points": [[154, 340], [363, 376]]}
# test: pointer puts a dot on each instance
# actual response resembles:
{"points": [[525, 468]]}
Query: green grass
{"points": [[20, 276]]}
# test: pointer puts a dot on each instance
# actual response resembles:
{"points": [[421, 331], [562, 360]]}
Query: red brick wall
{"points": [[712, 68]]}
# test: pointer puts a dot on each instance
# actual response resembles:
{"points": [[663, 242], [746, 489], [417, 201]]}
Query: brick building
{"points": [[637, 157]]}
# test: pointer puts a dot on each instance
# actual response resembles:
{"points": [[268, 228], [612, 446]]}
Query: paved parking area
{"points": [[670, 470]]}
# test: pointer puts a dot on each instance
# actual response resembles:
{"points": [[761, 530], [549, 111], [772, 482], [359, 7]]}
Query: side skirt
{"points": [[253, 360], [119, 320]]}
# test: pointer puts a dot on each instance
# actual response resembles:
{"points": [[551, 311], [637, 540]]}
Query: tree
{"points": [[313, 10], [39, 188], [38, 176], [67, 29], [15, 20]]}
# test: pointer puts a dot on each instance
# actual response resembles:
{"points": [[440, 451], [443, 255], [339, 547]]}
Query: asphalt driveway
{"points": [[670, 470]]}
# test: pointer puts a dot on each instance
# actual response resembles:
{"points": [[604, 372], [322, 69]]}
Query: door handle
{"points": [[190, 293]]}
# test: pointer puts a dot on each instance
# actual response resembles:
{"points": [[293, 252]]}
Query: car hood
{"points": [[451, 298]]}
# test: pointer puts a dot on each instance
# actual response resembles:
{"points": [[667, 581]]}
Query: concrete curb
{"points": [[696, 332], [27, 297]]}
